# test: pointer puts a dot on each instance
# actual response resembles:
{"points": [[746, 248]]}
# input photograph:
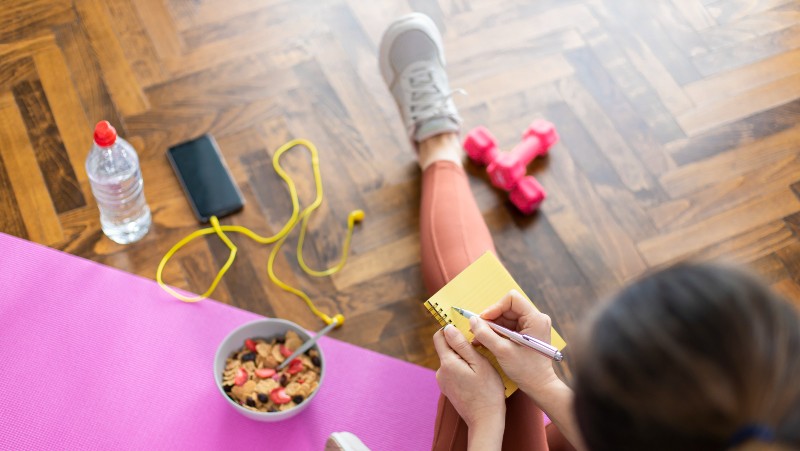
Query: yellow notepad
{"points": [[482, 284]]}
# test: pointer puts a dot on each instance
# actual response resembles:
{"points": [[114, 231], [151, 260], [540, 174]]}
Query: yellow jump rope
{"points": [[280, 237]]}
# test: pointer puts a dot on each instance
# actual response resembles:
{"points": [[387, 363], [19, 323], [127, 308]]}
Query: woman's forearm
{"points": [[555, 400], [486, 435]]}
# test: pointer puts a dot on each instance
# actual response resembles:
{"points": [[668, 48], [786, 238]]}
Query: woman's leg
{"points": [[452, 231], [453, 234]]}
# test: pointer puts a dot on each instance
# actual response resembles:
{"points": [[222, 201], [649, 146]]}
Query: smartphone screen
{"points": [[205, 178]]}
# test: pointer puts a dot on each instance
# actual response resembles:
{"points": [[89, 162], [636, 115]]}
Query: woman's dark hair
{"points": [[684, 359]]}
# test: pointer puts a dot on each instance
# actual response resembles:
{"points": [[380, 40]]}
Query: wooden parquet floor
{"points": [[680, 125]]}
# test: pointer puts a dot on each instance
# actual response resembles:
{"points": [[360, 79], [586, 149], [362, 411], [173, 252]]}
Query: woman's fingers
{"points": [[517, 313], [442, 348], [497, 309], [450, 344], [467, 379], [499, 344], [458, 343], [488, 337], [521, 364], [512, 306], [540, 325]]}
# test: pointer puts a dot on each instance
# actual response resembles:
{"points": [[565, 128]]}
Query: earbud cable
{"points": [[279, 238]]}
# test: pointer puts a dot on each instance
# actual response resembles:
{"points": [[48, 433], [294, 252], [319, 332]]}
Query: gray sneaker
{"points": [[412, 65]]}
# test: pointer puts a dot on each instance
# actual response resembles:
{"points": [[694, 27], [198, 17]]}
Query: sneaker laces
{"points": [[427, 101]]}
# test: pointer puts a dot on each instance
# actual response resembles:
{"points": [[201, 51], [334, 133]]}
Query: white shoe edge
{"points": [[398, 27], [349, 442]]}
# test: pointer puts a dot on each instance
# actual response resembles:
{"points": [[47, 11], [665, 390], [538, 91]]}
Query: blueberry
{"points": [[316, 361], [249, 357], [284, 380], [280, 340], [251, 402], [263, 398], [227, 388], [297, 399]]}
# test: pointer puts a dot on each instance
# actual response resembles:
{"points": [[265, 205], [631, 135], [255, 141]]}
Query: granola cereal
{"points": [[251, 378]]}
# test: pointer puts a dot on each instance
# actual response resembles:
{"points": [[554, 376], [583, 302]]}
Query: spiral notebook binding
{"points": [[438, 313]]}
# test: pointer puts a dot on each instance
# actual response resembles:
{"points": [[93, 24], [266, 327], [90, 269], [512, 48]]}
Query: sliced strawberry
{"points": [[286, 352], [279, 396], [295, 366], [250, 344], [241, 376], [265, 372], [300, 381]]}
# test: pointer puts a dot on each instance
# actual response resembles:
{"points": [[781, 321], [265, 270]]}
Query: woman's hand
{"points": [[472, 385], [532, 371]]}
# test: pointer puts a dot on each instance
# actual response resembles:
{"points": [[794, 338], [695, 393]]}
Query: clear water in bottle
{"points": [[116, 180]]}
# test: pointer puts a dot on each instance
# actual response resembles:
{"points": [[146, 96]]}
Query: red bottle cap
{"points": [[104, 134]]}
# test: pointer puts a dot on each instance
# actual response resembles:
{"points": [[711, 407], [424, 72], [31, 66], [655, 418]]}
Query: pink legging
{"points": [[453, 234]]}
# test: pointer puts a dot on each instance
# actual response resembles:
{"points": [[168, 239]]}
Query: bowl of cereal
{"points": [[245, 370]]}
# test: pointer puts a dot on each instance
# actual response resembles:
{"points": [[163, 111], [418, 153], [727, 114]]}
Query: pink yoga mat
{"points": [[95, 358]]}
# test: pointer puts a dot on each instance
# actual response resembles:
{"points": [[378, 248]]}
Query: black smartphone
{"points": [[205, 178]]}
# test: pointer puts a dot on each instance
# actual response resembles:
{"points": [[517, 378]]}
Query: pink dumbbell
{"points": [[527, 195], [524, 191], [480, 145], [507, 169]]}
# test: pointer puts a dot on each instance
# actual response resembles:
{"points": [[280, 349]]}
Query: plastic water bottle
{"points": [[116, 180]]}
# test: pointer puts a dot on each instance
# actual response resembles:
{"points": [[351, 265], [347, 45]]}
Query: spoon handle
{"points": [[307, 345]]}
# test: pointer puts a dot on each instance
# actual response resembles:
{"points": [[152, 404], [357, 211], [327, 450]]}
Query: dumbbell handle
{"points": [[529, 148], [509, 167]]}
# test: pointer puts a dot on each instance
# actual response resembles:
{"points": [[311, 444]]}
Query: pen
{"points": [[541, 347]]}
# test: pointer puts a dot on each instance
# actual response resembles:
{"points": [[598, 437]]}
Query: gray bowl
{"points": [[263, 328]]}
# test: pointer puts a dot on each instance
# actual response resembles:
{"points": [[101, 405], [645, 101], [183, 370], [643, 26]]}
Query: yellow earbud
{"points": [[356, 215], [338, 317]]}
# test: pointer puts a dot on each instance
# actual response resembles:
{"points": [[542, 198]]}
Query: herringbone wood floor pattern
{"points": [[679, 125]]}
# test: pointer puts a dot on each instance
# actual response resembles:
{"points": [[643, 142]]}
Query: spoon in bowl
{"points": [[308, 344]]}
